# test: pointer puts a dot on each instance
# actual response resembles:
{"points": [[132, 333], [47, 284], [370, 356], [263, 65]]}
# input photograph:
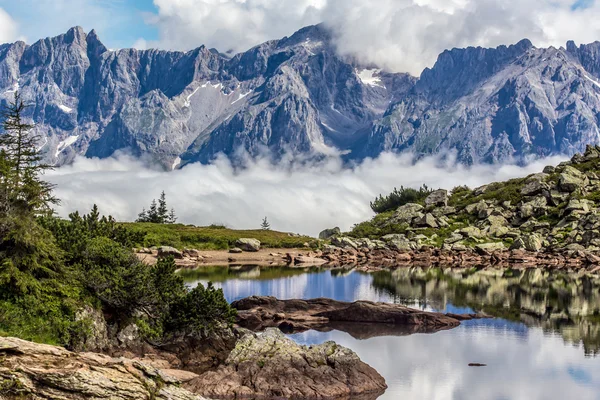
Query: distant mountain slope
{"points": [[491, 105], [297, 95]]}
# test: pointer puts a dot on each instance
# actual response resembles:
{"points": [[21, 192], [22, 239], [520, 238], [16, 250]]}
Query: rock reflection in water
{"points": [[568, 304], [535, 349]]}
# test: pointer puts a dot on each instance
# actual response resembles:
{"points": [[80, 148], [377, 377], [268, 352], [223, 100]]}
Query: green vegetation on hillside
{"points": [[211, 237], [51, 269]]}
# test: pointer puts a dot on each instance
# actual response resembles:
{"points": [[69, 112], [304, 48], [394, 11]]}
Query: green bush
{"points": [[200, 311], [399, 198]]}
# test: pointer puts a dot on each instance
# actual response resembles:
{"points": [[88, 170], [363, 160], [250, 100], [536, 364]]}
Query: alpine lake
{"points": [[543, 342]]}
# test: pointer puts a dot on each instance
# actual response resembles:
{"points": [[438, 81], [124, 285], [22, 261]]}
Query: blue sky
{"points": [[119, 23]]}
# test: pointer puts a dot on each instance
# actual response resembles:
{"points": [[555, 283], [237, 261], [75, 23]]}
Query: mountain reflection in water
{"points": [[543, 343]]}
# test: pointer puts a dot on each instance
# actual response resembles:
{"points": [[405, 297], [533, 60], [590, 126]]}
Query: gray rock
{"points": [[343, 241], [581, 206], [454, 238], [95, 336], [443, 211], [408, 212], [571, 179], [393, 236], [329, 233], [191, 253], [165, 251], [427, 221], [236, 250], [248, 244], [257, 364], [491, 247], [534, 207], [403, 245], [531, 242], [438, 198], [471, 232], [535, 185]]}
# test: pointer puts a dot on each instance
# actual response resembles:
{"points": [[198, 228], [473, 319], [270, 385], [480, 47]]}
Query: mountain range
{"points": [[298, 96]]}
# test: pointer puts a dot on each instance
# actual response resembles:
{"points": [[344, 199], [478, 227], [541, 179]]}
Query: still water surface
{"points": [[544, 343]]}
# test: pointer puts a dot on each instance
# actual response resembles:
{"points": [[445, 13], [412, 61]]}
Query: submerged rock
{"points": [[258, 313], [269, 365]]}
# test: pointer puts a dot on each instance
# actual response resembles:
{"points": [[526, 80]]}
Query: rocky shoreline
{"points": [[233, 363]]}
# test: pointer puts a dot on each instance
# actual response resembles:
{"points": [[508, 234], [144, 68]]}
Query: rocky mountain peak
{"points": [[75, 35], [298, 95], [458, 71]]}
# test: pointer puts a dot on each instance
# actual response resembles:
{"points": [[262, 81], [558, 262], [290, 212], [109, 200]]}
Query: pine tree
{"points": [[153, 213], [163, 211], [22, 160], [265, 225], [172, 218], [143, 216]]}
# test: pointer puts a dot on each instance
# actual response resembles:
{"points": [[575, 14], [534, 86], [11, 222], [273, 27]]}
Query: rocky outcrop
{"points": [[550, 218], [258, 313], [35, 371], [269, 365]]}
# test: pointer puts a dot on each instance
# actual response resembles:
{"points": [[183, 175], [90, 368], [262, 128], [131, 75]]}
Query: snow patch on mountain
{"points": [[65, 144], [369, 77], [66, 109], [242, 96], [589, 78], [176, 163]]}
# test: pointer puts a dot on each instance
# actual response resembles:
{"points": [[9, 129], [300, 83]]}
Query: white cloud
{"points": [[400, 35], [140, 44], [305, 198], [8, 28]]}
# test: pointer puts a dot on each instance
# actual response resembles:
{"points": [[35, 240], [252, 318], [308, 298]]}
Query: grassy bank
{"points": [[212, 237]]}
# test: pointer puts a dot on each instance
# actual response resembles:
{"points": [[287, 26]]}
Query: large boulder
{"points": [[165, 251], [408, 212], [403, 245], [329, 233], [533, 208], [246, 244], [571, 179], [532, 242], [427, 221], [471, 232], [37, 371], [95, 336], [439, 198], [578, 206], [270, 365], [535, 185], [343, 241]]}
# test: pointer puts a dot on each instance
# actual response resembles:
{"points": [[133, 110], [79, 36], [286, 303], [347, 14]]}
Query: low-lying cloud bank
{"points": [[302, 198]]}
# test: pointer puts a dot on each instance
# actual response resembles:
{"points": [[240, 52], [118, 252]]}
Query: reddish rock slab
{"points": [[257, 313]]}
